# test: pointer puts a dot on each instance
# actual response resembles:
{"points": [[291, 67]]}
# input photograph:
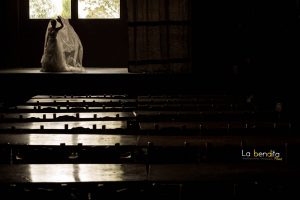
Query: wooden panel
{"points": [[220, 172], [68, 173], [58, 108], [67, 139], [66, 125], [140, 140], [85, 115], [117, 96]]}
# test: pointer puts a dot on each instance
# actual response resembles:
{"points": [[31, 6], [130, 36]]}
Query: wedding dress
{"points": [[63, 50]]}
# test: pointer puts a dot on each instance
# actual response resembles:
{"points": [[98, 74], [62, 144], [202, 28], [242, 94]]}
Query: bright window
{"points": [[46, 9], [99, 9]]}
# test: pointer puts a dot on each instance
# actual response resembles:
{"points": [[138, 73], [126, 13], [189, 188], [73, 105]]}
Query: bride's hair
{"points": [[53, 22]]}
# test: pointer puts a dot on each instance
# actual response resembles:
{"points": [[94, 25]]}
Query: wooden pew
{"points": [[221, 172], [68, 173], [176, 173], [93, 148]]}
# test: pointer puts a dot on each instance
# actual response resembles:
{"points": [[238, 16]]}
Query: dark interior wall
{"points": [[255, 41], [105, 42], [10, 44], [2, 24]]}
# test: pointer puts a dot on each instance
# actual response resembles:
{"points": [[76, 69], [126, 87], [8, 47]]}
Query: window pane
{"points": [[99, 9], [45, 9]]}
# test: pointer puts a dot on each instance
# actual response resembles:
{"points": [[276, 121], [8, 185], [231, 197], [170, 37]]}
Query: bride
{"points": [[63, 50]]}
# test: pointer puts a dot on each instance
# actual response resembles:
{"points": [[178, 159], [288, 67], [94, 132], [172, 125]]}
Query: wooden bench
{"points": [[221, 172], [69, 173], [176, 173]]}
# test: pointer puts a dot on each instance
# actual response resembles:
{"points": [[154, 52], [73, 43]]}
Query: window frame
{"points": [[74, 12], [32, 32]]}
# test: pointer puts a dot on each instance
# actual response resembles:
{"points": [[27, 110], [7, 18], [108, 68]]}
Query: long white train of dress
{"points": [[64, 52]]}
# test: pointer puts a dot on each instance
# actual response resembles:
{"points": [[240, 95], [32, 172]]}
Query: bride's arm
{"points": [[61, 23], [46, 43]]}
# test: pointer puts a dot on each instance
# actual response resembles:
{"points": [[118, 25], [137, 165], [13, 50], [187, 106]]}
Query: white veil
{"points": [[71, 47]]}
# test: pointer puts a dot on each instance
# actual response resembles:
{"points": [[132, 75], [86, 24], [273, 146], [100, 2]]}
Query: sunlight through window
{"points": [[99, 9], [46, 9]]}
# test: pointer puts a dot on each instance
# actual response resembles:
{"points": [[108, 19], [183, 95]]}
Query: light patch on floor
{"points": [[88, 71]]}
